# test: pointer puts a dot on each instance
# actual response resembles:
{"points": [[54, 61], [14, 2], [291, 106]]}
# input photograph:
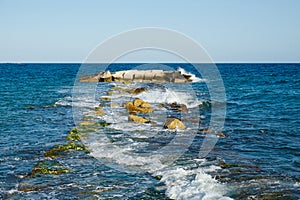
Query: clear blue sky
{"points": [[230, 30]]}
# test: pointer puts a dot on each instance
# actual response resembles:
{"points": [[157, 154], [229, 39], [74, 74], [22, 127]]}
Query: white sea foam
{"points": [[170, 96], [66, 101], [194, 78], [192, 184]]}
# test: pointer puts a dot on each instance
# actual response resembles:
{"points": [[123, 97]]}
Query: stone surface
{"points": [[138, 76], [173, 123], [138, 119], [135, 109]]}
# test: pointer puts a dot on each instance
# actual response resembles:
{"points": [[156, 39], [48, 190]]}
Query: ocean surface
{"points": [[257, 156]]}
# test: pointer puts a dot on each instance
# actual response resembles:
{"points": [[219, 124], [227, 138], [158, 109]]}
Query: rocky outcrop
{"points": [[138, 119], [174, 123], [138, 76]]}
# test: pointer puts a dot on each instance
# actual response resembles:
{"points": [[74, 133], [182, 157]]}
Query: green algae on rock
{"points": [[49, 167], [58, 149], [73, 135]]}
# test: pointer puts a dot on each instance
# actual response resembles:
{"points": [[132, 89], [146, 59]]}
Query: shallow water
{"points": [[258, 159]]}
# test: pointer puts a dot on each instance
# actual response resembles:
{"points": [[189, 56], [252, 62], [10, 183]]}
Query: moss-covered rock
{"points": [[138, 119], [49, 167], [173, 123], [58, 149], [73, 135]]}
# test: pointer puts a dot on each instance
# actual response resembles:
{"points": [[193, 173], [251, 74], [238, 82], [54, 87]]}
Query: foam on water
{"points": [[170, 96], [193, 184], [194, 78]]}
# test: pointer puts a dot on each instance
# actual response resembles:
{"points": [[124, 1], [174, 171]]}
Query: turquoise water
{"points": [[258, 158]]}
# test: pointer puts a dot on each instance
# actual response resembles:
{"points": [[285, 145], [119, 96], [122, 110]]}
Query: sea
{"points": [[253, 154]]}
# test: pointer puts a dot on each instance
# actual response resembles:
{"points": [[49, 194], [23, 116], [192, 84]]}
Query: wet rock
{"points": [[176, 106], [106, 77], [86, 123], [105, 99], [221, 135], [73, 135], [139, 90], [173, 123], [99, 112], [137, 119], [58, 149], [92, 124], [49, 167], [137, 106], [30, 107]]}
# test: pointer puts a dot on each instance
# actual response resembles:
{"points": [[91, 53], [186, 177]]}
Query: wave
{"points": [[193, 184], [170, 96], [194, 78]]}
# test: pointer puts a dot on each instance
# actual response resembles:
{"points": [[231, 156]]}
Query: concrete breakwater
{"points": [[139, 76]]}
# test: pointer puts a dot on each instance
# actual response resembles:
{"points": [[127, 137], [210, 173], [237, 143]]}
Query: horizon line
{"points": [[165, 62]]}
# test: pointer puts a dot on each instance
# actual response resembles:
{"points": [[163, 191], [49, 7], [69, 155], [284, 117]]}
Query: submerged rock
{"points": [[49, 167], [173, 123], [58, 149], [138, 119], [73, 135], [99, 112]]}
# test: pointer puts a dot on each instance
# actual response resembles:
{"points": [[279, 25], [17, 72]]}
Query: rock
{"points": [[175, 106], [206, 131], [86, 123], [139, 76], [49, 167], [221, 135], [105, 99], [99, 112], [95, 124], [145, 105], [138, 105], [73, 135], [134, 109], [137, 102], [106, 77], [137, 119], [57, 149], [173, 123], [139, 90]]}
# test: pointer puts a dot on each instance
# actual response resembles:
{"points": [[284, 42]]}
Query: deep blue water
{"points": [[261, 148]]}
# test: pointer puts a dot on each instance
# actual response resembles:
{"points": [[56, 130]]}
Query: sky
{"points": [[229, 30]]}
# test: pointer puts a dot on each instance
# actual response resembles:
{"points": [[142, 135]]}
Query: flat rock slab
{"points": [[138, 76]]}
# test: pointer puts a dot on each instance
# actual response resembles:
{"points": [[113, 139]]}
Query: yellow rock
{"points": [[145, 105], [173, 123], [99, 112], [105, 99], [137, 102], [137, 119], [134, 109], [86, 123]]}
